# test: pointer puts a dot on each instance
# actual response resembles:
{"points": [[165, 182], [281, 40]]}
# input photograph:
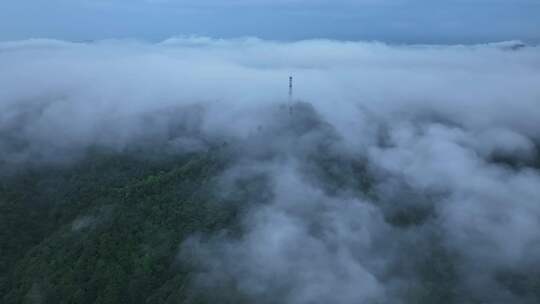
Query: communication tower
{"points": [[290, 94]]}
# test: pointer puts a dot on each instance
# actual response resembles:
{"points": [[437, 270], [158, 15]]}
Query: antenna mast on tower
{"points": [[290, 88], [290, 94]]}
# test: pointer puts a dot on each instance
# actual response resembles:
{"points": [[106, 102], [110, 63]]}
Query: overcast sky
{"points": [[399, 21]]}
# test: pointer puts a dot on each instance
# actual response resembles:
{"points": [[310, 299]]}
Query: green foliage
{"points": [[105, 230]]}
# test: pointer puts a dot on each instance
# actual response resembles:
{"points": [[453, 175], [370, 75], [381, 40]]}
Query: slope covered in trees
{"points": [[263, 218], [105, 230]]}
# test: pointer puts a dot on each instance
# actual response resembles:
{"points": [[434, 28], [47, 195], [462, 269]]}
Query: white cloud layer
{"points": [[452, 131]]}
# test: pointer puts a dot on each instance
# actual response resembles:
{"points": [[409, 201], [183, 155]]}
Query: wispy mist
{"points": [[403, 174]]}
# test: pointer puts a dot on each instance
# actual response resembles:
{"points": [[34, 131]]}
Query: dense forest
{"points": [[106, 229]]}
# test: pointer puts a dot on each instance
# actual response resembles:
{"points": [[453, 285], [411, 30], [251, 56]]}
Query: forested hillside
{"points": [[237, 221], [107, 229]]}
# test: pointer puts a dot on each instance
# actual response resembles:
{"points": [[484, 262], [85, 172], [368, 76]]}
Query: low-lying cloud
{"points": [[405, 174]]}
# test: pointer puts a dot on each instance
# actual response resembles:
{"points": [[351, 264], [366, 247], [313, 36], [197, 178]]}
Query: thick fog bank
{"points": [[400, 174]]}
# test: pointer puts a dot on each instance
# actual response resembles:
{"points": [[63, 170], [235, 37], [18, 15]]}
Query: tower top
{"points": [[290, 88], [290, 94]]}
